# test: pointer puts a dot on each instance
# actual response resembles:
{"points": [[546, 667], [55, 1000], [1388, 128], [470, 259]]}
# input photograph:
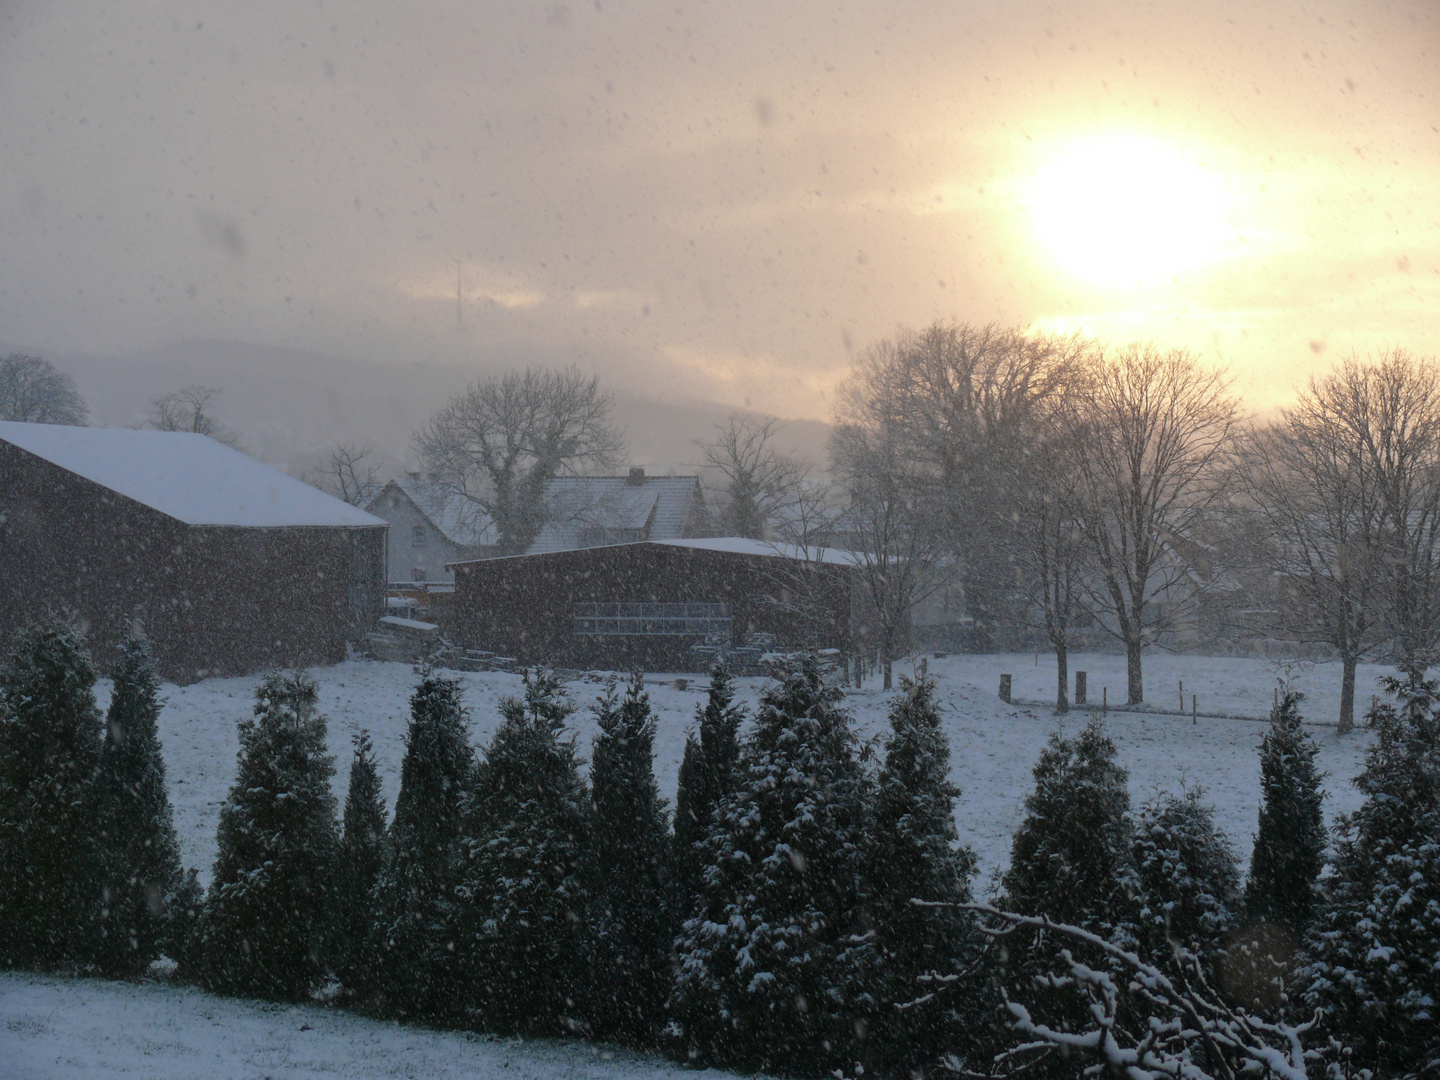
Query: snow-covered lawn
{"points": [[52, 1029], [88, 1029], [994, 746]]}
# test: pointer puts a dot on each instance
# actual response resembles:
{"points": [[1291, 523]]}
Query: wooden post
{"points": [[1080, 687], [1104, 700], [923, 668], [1194, 708], [1182, 695], [1005, 689]]}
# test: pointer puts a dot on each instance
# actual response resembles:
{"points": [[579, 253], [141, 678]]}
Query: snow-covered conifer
{"points": [[1187, 879], [630, 857], [707, 775], [135, 828], [1375, 942], [1290, 840], [362, 855], [912, 852], [50, 731], [414, 941], [525, 920], [761, 982], [269, 915], [1070, 859]]}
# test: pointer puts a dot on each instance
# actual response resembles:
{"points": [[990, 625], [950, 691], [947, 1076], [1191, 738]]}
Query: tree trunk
{"points": [[1062, 678], [1347, 695], [1134, 683]]}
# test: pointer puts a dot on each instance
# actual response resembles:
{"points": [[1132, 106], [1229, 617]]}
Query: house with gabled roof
{"points": [[429, 527], [227, 565], [595, 511]]}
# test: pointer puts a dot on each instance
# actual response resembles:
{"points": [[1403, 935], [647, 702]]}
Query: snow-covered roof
{"points": [[457, 519], [186, 476], [735, 545], [663, 504], [739, 545]]}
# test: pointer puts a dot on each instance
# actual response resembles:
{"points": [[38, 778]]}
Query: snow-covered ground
{"points": [[88, 1029], [54, 1029], [993, 745]]}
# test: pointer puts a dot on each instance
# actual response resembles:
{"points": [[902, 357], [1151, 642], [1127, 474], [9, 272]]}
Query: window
{"points": [[417, 536], [653, 620]]}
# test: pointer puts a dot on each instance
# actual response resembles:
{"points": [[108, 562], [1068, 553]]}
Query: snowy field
{"points": [[59, 1029], [87, 1029], [993, 745]]}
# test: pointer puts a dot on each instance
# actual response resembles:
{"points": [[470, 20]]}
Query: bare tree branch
{"points": [[33, 391], [760, 481], [498, 444], [349, 474], [190, 409]]}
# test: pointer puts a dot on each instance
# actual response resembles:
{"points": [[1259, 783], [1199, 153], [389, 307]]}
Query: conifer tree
{"points": [[707, 776], [362, 856], [415, 897], [913, 852], [762, 979], [50, 731], [524, 924], [268, 923], [1070, 860], [1375, 943], [633, 929], [1188, 882], [1290, 840], [135, 828]]}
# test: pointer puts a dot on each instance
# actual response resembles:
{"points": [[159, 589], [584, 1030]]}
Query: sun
{"points": [[1127, 210]]}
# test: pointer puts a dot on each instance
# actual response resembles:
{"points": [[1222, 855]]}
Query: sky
{"points": [[720, 201]]}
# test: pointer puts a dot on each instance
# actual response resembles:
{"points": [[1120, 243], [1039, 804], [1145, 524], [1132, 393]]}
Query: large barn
{"points": [[228, 566], [647, 604]]}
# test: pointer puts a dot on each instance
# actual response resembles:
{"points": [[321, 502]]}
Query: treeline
{"points": [[809, 910], [1068, 488]]}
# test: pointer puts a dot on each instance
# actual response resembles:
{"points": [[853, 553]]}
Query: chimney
{"points": [[637, 476]]}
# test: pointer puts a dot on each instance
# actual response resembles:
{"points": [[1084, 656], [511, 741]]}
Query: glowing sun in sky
{"points": [[1127, 210]]}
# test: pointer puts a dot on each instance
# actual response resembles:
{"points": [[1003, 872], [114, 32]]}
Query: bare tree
{"points": [[1153, 428], [967, 402], [1047, 541], [350, 474], [760, 481], [190, 409], [34, 391], [498, 444], [1343, 496], [893, 529]]}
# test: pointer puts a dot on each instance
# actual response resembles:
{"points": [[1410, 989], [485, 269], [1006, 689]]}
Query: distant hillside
{"points": [[289, 406]]}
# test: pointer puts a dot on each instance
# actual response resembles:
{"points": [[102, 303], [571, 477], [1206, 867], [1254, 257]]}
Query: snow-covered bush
{"points": [[761, 979], [630, 862], [414, 941], [524, 916], [362, 857], [707, 776], [269, 916], [1375, 945], [912, 851], [134, 825], [50, 732]]}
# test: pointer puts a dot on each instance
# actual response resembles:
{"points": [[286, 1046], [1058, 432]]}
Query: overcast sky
{"points": [[720, 200]]}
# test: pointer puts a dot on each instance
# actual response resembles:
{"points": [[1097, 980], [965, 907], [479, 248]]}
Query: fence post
{"points": [[1194, 708], [1005, 689], [1080, 688]]}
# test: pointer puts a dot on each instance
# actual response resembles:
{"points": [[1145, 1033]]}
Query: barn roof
{"points": [[734, 545], [189, 477]]}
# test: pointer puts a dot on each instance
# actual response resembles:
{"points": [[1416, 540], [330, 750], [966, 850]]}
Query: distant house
{"points": [[428, 529], [593, 511], [646, 604], [228, 566]]}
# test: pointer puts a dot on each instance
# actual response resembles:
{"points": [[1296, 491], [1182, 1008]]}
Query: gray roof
{"points": [[458, 520], [185, 476], [660, 508]]}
